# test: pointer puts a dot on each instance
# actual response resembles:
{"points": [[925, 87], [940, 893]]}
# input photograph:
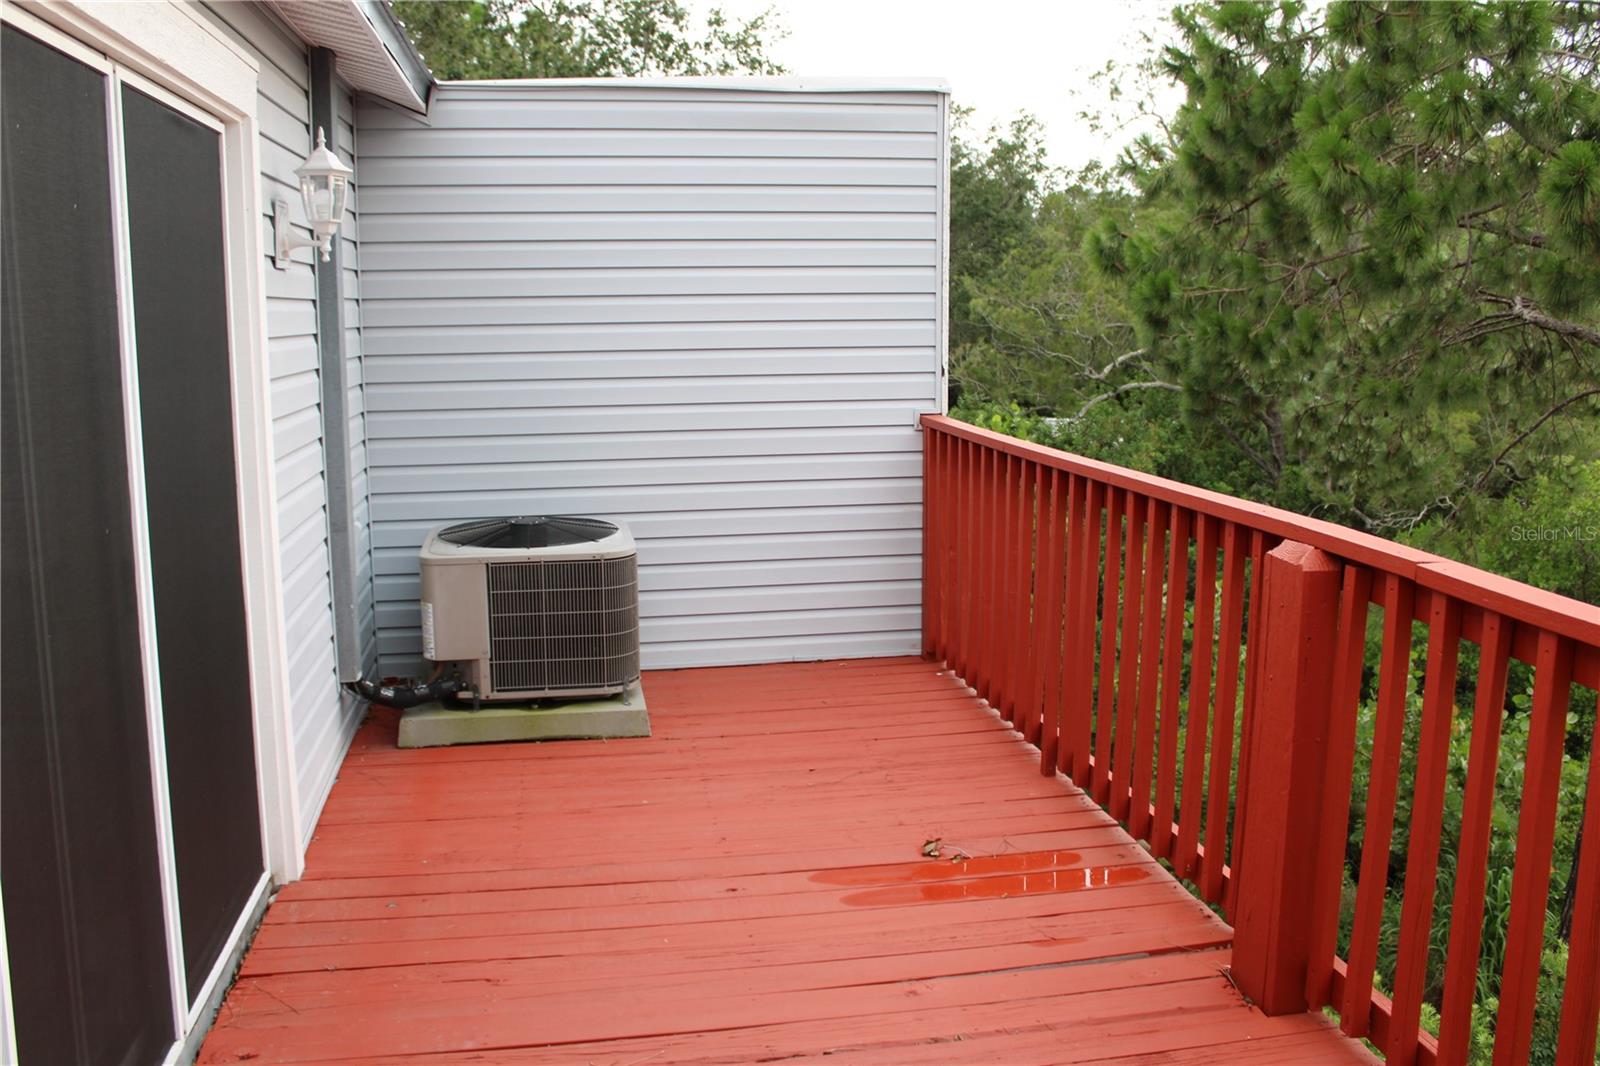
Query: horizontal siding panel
{"points": [[292, 317], [681, 472], [674, 655], [650, 310], [614, 142], [501, 111], [298, 469], [403, 589], [629, 447], [636, 170], [726, 602], [291, 355], [295, 432], [651, 336], [634, 366], [688, 418], [787, 623], [411, 397], [664, 281], [681, 226], [295, 283], [456, 506], [648, 525], [446, 257], [650, 199], [294, 392], [700, 551]]}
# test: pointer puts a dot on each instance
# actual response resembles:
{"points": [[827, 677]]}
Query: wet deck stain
{"points": [[1026, 873], [1002, 887], [944, 870]]}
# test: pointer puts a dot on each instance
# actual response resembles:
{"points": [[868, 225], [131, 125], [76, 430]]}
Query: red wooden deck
{"points": [[747, 885]]}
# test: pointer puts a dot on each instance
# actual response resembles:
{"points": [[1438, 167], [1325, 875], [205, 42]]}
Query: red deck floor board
{"points": [[746, 885]]}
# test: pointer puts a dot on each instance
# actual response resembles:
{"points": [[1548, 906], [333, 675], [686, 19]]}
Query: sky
{"points": [[999, 56]]}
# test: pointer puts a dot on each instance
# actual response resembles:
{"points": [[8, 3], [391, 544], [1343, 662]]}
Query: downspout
{"points": [[342, 540]]}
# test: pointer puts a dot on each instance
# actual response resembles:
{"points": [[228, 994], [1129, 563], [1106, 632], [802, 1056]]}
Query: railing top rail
{"points": [[1549, 611]]}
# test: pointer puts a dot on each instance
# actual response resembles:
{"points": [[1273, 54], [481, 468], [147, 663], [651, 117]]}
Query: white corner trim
{"points": [[943, 404]]}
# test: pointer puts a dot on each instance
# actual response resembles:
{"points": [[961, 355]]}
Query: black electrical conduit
{"points": [[403, 696]]}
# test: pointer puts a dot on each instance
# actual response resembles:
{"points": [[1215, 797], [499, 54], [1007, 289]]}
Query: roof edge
{"points": [[746, 83], [392, 34]]}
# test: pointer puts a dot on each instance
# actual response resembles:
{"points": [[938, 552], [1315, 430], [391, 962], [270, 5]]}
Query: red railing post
{"points": [[1287, 744]]}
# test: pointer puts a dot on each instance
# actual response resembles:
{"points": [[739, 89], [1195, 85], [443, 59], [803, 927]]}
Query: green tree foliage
{"points": [[1379, 274], [995, 185], [477, 39]]}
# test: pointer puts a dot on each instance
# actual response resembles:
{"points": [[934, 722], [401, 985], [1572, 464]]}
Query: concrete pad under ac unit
{"points": [[433, 725]]}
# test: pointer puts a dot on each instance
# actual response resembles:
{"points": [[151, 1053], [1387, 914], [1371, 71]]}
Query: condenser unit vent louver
{"points": [[533, 607]]}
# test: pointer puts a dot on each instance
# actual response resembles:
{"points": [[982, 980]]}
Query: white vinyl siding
{"points": [[323, 718], [713, 313]]}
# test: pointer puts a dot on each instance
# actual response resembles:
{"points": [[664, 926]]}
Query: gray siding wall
{"points": [[323, 716], [713, 313]]}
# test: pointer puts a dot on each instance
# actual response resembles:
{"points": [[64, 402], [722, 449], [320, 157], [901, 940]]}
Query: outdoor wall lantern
{"points": [[325, 188]]}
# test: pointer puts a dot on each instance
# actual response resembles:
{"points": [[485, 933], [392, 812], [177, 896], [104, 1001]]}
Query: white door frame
{"points": [[172, 53]]}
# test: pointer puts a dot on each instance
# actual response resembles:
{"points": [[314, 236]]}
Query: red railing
{"points": [[1107, 614]]}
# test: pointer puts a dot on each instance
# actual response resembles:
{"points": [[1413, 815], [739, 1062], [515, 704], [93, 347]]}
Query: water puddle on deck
{"points": [[984, 877]]}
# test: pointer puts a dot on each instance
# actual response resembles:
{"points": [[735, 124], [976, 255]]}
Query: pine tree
{"points": [[1378, 268]]}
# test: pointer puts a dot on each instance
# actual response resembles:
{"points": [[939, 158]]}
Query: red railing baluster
{"points": [[1472, 856], [1055, 533], [1224, 710], [1128, 660], [1105, 711], [1427, 820], [1005, 538], [1061, 492], [1038, 661], [950, 547], [1015, 599], [1080, 698], [1194, 756], [1536, 827], [1252, 667], [1071, 591], [1149, 670], [1161, 837], [1394, 680], [1328, 877], [1032, 586], [988, 571], [967, 522], [1021, 590]]}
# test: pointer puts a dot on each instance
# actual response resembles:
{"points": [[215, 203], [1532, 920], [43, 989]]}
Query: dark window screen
{"points": [[82, 886], [186, 410]]}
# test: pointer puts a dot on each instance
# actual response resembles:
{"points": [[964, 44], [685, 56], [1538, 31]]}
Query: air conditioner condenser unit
{"points": [[533, 607]]}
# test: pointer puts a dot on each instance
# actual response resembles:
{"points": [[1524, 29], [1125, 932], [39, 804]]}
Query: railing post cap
{"points": [[1303, 556]]}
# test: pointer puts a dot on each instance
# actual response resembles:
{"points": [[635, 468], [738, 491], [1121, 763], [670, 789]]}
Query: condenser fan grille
{"points": [[564, 624], [530, 531]]}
